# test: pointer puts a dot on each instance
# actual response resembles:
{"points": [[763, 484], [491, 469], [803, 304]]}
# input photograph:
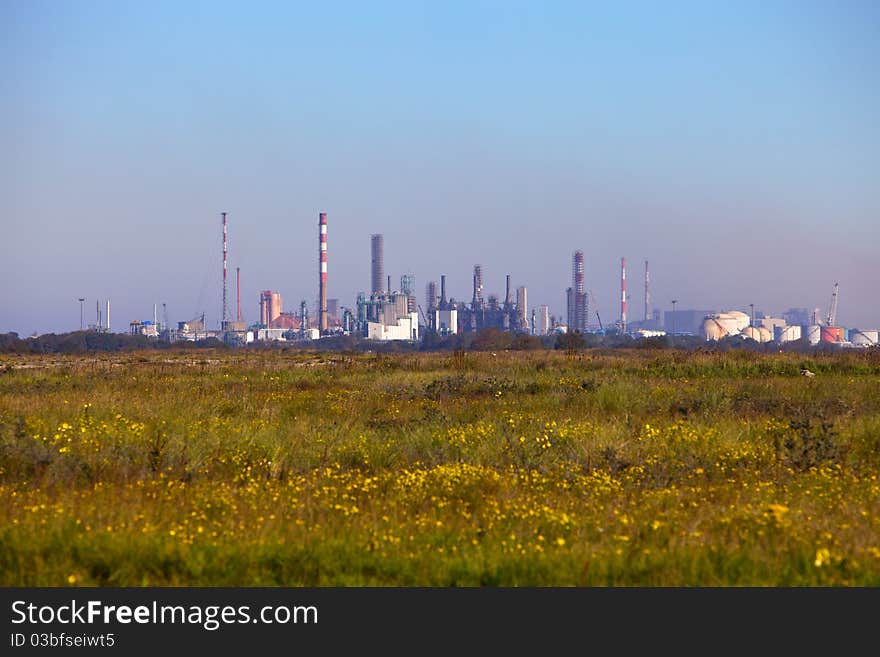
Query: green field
{"points": [[627, 467]]}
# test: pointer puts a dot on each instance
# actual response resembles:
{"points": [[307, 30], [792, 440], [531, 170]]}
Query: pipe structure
{"points": [[322, 288], [580, 304], [377, 249], [431, 295], [478, 286]]}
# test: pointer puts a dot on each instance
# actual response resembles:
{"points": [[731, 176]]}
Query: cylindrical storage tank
{"points": [[814, 333], [788, 333], [865, 338], [832, 334]]}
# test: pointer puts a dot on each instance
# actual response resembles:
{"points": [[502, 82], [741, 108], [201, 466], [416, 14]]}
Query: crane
{"points": [[832, 309]]}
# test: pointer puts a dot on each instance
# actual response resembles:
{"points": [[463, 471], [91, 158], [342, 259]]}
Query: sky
{"points": [[736, 146]]}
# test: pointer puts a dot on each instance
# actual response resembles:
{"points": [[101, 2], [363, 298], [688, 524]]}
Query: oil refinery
{"points": [[394, 313]]}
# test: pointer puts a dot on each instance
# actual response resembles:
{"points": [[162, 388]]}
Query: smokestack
{"points": [[108, 315], [322, 289], [238, 294], [377, 247], [442, 291], [507, 300], [98, 314], [155, 315], [647, 293], [623, 294], [225, 314], [389, 284]]}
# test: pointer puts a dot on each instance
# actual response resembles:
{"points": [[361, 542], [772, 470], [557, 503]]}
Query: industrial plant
{"points": [[387, 313]]}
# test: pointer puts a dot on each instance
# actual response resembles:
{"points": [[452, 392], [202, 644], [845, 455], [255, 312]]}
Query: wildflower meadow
{"points": [[621, 468]]}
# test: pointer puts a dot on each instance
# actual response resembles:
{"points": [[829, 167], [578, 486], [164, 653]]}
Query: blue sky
{"points": [[734, 145]]}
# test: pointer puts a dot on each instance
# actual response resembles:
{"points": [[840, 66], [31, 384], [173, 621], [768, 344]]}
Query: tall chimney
{"points": [[238, 294], [389, 284], [507, 300], [225, 314], [647, 294], [442, 291], [322, 223], [623, 295], [108, 315]]}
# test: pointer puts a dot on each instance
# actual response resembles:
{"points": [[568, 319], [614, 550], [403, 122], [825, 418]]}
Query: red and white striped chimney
{"points": [[623, 294], [322, 227]]}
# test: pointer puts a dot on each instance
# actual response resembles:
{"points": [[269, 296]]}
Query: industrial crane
{"points": [[832, 309]]}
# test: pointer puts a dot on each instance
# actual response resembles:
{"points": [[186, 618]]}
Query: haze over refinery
{"points": [[736, 148]]}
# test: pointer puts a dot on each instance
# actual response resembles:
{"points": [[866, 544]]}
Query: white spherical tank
{"points": [[741, 319], [712, 330], [732, 322]]}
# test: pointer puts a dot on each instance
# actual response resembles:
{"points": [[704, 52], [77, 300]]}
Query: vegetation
{"points": [[570, 466]]}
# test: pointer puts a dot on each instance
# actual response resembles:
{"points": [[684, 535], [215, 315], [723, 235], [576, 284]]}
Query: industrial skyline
{"points": [[576, 315], [395, 314], [736, 149]]}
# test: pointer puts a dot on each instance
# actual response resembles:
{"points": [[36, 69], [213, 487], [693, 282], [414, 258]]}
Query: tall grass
{"points": [[514, 468]]}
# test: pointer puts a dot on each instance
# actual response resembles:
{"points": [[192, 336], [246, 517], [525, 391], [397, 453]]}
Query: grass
{"points": [[623, 468]]}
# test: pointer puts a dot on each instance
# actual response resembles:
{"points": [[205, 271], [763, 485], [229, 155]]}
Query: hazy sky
{"points": [[734, 145]]}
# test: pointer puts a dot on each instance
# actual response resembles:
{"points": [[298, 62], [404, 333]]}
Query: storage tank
{"points": [[712, 329], [730, 323], [832, 334], [865, 338], [814, 333], [758, 334], [740, 319], [787, 333]]}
